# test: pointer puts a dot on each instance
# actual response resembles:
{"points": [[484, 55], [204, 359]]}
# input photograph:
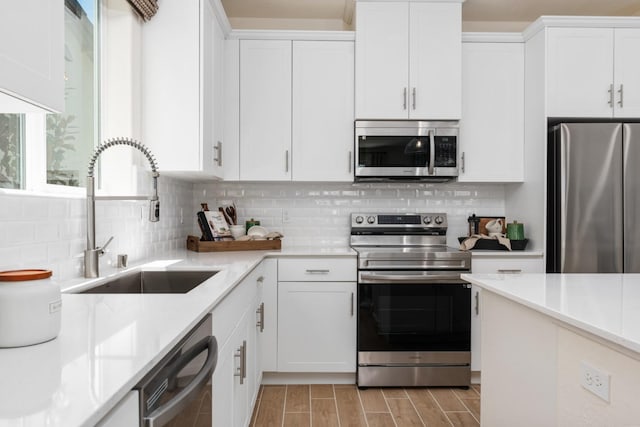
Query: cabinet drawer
{"points": [[226, 315], [324, 269], [492, 265]]}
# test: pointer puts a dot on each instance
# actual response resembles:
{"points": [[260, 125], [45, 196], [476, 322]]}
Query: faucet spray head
{"points": [[154, 204]]}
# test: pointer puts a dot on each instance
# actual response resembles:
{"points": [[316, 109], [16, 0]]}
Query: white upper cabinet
{"points": [[492, 124], [182, 100], [265, 110], [296, 110], [408, 60], [593, 72], [32, 56], [322, 130], [626, 72]]}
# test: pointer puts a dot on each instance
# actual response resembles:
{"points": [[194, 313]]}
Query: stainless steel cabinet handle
{"points": [[260, 322], [351, 304], [610, 95], [218, 150], [462, 162], [413, 92], [241, 353], [477, 302], [509, 271], [404, 103], [163, 414], [621, 92], [318, 271], [286, 161], [349, 167]]}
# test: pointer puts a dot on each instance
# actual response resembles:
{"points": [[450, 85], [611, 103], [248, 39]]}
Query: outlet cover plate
{"points": [[595, 380]]}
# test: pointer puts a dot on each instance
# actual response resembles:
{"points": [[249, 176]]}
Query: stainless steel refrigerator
{"points": [[593, 198]]}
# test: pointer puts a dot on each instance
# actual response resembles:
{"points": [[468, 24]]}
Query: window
{"points": [[11, 151], [71, 136]]}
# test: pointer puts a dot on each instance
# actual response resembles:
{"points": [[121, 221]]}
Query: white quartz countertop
{"points": [[606, 305], [108, 342]]}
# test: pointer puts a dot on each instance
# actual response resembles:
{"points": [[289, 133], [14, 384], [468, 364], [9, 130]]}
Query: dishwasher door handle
{"points": [[162, 415]]}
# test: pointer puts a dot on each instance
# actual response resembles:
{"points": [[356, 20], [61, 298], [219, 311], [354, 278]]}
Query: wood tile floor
{"points": [[347, 406]]}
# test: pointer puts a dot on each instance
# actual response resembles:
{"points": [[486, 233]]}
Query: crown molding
{"points": [[580, 21]]}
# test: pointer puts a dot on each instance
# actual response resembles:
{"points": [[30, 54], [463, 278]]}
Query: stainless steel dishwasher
{"points": [[177, 387]]}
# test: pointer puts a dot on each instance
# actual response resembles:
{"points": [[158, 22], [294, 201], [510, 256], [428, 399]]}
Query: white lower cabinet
{"points": [[125, 414], [268, 331], [237, 377], [317, 327], [317, 315], [494, 264]]}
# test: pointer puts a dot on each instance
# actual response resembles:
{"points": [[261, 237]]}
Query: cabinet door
{"points": [[230, 404], [580, 72], [435, 61], [382, 64], [322, 110], [268, 337], [627, 72], [212, 75], [32, 55], [211, 54], [265, 110], [476, 361], [492, 125], [223, 383], [179, 97], [317, 327]]}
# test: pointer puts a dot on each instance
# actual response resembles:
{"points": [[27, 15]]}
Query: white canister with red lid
{"points": [[30, 307]]}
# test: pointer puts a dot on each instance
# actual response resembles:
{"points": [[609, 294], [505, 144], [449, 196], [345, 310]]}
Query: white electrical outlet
{"points": [[595, 380], [181, 216], [285, 216]]}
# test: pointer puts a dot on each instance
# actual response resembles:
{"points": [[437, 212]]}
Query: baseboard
{"points": [[271, 378], [475, 377]]}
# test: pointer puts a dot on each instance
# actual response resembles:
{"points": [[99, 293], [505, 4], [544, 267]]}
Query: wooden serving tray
{"points": [[195, 244]]}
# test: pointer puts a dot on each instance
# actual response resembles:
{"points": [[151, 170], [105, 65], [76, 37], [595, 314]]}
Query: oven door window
{"points": [[393, 151], [413, 317]]}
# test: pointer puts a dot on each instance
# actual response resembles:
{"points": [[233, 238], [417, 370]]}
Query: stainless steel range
{"points": [[414, 310]]}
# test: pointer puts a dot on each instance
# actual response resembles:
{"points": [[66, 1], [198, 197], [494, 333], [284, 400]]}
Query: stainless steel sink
{"points": [[153, 282]]}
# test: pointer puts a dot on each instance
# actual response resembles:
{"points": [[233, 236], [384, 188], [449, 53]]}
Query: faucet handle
{"points": [[101, 249]]}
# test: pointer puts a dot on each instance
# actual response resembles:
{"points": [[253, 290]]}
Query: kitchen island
{"points": [[547, 336], [108, 342]]}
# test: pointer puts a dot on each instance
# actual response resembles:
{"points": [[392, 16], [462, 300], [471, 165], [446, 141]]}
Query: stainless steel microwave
{"points": [[407, 150]]}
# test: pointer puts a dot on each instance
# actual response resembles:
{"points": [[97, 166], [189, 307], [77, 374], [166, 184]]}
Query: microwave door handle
{"points": [[432, 151], [162, 415]]}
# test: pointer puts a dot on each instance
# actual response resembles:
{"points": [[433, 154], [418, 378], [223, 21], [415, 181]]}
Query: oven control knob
{"points": [[427, 220], [371, 219], [439, 220], [359, 219]]}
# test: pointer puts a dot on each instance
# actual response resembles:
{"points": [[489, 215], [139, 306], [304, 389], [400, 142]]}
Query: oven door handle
{"points": [[166, 412], [411, 278]]}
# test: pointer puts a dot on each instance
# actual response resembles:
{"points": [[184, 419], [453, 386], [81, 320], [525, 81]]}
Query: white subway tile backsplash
{"points": [[319, 213], [49, 232]]}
